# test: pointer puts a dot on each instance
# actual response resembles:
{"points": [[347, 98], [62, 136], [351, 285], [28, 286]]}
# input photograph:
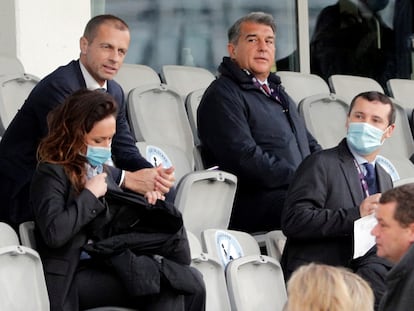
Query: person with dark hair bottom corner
{"points": [[394, 235], [335, 187], [102, 246]]}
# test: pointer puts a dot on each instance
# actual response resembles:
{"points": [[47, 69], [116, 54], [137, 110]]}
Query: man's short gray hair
{"points": [[233, 33]]}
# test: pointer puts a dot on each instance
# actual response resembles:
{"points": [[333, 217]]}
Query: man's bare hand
{"points": [[369, 205], [165, 179], [150, 179]]}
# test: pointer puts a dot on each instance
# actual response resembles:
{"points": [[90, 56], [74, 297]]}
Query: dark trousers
{"points": [[98, 287]]}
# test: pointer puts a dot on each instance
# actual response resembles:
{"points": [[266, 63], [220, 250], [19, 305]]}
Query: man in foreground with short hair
{"points": [[394, 235]]}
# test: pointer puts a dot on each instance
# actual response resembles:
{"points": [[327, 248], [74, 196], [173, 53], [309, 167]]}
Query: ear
{"points": [[389, 131], [231, 48], [83, 44], [347, 123], [411, 233]]}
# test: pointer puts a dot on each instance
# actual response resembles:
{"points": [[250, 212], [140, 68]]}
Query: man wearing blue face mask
{"points": [[332, 188]]}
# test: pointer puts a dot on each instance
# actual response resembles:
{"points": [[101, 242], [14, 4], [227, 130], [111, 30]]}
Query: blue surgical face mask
{"points": [[98, 155], [364, 138]]}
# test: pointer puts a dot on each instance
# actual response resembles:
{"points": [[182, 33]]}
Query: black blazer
{"points": [[321, 207], [19, 143], [61, 218]]}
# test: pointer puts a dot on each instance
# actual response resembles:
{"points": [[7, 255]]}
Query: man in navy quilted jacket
{"points": [[250, 127]]}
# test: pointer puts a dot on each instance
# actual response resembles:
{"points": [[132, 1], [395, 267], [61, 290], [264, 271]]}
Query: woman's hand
{"points": [[97, 185]]}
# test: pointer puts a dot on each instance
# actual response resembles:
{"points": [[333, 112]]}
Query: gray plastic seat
{"points": [[205, 198], [21, 275], [348, 86], [131, 76], [325, 117], [157, 115], [213, 275], [403, 91], [254, 281], [178, 158], [14, 89], [186, 79], [301, 85]]}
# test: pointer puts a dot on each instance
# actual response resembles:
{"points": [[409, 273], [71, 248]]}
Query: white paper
{"points": [[363, 240]]}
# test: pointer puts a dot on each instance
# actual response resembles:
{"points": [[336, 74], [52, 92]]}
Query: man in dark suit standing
{"points": [[333, 188], [103, 47]]}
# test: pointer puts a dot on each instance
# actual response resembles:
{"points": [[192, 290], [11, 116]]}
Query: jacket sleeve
{"points": [[58, 212], [318, 203], [224, 130], [125, 153]]}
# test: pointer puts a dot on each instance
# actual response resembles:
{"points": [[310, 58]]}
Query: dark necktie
{"points": [[266, 88], [370, 178]]}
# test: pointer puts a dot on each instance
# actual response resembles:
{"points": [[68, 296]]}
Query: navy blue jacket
{"points": [[19, 143], [245, 132]]}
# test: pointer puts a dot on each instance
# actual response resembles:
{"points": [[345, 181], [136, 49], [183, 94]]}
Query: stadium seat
{"points": [[205, 198], [348, 86], [131, 76], [301, 85], [7, 235], [10, 65], [186, 79], [21, 275], [325, 117], [157, 115], [254, 281], [399, 148], [213, 275], [275, 243], [167, 155], [403, 91], [14, 89], [191, 104], [26, 232]]}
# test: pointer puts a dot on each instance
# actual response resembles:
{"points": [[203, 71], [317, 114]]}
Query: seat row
{"points": [[237, 276], [22, 281]]}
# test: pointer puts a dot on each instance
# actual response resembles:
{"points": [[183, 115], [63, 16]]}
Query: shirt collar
{"points": [[91, 83], [360, 160]]}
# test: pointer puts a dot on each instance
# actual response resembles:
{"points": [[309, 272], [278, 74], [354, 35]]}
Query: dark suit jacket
{"points": [[321, 207], [19, 143], [61, 218]]}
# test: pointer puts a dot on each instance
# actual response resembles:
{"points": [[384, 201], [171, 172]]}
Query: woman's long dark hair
{"points": [[68, 124]]}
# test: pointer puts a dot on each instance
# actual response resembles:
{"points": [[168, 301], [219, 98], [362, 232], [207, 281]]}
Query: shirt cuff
{"points": [[121, 180]]}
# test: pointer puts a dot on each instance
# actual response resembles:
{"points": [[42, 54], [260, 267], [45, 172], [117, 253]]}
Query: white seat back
{"points": [[14, 89], [26, 232], [131, 76], [213, 275], [254, 281], [205, 198], [403, 91], [191, 104], [325, 117], [7, 235], [348, 86], [21, 275], [399, 148], [186, 79], [157, 115], [182, 164], [301, 85]]}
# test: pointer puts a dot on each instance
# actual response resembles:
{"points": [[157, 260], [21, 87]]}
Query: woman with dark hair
{"points": [[70, 198]]}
